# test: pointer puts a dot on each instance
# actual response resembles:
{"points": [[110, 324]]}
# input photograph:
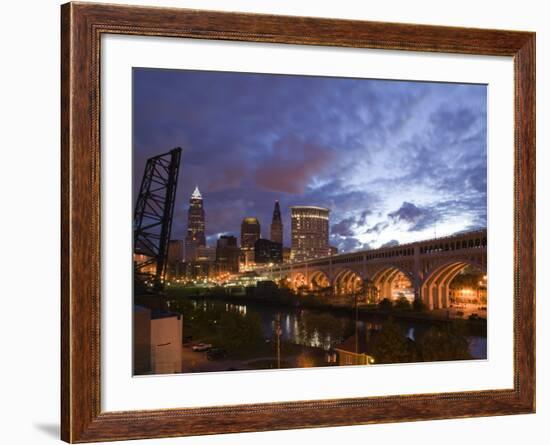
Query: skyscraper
{"points": [[227, 254], [175, 258], [277, 225], [267, 251], [250, 233], [195, 226], [310, 231]]}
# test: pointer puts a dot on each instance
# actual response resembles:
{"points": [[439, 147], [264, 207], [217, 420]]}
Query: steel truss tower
{"points": [[153, 218]]}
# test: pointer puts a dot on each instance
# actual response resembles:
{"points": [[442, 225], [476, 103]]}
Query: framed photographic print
{"points": [[277, 222]]}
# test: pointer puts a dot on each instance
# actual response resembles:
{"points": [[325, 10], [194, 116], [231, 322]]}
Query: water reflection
{"points": [[320, 328]]}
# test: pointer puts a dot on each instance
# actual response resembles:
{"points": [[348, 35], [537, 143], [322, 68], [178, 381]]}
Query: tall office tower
{"points": [[277, 225], [227, 255], [309, 232], [267, 251], [250, 233], [195, 226], [175, 258]]}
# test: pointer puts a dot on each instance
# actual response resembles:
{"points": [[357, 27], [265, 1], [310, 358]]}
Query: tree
{"points": [[316, 327], [445, 343], [402, 304], [418, 305], [386, 304], [238, 333], [391, 346]]}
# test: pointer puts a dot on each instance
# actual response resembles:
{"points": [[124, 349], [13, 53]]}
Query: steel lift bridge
{"points": [[153, 220]]}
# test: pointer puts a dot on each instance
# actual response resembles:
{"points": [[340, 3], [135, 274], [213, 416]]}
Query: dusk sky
{"points": [[394, 161]]}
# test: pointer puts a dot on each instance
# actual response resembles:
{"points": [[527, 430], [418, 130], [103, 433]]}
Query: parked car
{"points": [[216, 353], [201, 347]]}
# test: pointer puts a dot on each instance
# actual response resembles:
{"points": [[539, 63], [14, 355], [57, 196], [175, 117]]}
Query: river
{"points": [[321, 328]]}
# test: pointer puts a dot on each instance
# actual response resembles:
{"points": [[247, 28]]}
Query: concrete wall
{"points": [[166, 344]]}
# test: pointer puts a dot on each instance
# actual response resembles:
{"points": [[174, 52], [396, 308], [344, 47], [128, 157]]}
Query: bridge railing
{"points": [[463, 241]]}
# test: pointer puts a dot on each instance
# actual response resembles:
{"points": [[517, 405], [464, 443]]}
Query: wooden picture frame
{"points": [[82, 26]]}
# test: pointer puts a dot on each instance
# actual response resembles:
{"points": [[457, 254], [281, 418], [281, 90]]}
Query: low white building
{"points": [[166, 340], [157, 341]]}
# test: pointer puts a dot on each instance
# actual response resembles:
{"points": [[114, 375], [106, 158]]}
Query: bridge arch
{"points": [[347, 282], [319, 280], [298, 281], [391, 280], [436, 285]]}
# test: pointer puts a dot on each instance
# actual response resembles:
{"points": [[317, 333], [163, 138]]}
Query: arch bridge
{"points": [[423, 270]]}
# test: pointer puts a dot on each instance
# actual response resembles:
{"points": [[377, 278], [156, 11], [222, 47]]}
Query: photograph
{"points": [[290, 221]]}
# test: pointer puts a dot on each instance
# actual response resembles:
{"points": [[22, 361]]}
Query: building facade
{"points": [[166, 340], [195, 226], [157, 341], [286, 254], [174, 261], [277, 225], [250, 233], [267, 251], [204, 265], [205, 253], [309, 232], [199, 270], [227, 255], [175, 250]]}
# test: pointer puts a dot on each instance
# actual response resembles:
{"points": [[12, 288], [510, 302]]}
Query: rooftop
{"points": [[251, 220], [196, 193], [159, 313], [324, 209], [364, 345]]}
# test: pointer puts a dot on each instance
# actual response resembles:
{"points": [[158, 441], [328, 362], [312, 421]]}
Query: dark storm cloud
{"points": [[344, 227], [354, 146], [391, 243], [378, 228], [362, 218], [350, 225], [347, 243], [416, 218], [407, 212]]}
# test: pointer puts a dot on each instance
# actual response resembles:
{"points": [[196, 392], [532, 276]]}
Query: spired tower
{"points": [[277, 225], [195, 226]]}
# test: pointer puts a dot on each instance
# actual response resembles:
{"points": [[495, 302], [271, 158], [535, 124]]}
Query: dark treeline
{"points": [[439, 343]]}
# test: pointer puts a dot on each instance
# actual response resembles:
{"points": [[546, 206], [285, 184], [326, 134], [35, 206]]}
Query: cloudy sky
{"points": [[394, 161]]}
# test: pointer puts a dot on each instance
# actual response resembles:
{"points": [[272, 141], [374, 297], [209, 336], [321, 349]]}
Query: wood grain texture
{"points": [[82, 26]]}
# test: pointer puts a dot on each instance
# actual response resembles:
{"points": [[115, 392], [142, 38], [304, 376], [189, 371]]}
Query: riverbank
{"points": [[477, 325], [291, 356]]}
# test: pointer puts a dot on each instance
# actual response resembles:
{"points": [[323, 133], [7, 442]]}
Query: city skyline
{"points": [[395, 161], [266, 233]]}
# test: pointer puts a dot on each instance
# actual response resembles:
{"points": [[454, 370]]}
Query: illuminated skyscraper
{"points": [[250, 233], [309, 232], [277, 225], [195, 226]]}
